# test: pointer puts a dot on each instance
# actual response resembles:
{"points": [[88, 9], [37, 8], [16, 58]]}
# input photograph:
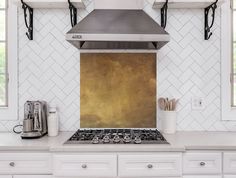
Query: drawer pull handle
{"points": [[12, 164], [84, 166], [150, 166], [202, 163]]}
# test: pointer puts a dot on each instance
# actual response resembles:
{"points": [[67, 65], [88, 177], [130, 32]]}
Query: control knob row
{"points": [[117, 139]]}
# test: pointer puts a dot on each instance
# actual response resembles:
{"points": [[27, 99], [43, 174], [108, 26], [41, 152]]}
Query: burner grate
{"points": [[117, 136]]}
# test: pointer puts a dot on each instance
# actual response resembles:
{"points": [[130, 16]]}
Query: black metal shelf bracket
{"points": [[212, 8], [164, 11], [73, 14], [28, 16]]}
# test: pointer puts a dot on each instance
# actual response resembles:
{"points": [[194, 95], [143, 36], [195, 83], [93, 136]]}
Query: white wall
{"points": [[188, 66]]}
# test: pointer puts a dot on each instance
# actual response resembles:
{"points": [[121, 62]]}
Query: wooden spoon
{"points": [[162, 103]]}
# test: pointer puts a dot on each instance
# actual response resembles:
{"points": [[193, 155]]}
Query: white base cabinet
{"points": [[207, 163], [202, 176], [25, 163], [26, 176], [5, 176], [150, 165], [190, 164], [32, 176], [230, 163], [85, 165]]}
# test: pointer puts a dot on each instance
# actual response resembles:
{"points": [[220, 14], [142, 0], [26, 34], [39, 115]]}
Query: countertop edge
{"points": [[218, 148], [179, 142], [61, 149]]}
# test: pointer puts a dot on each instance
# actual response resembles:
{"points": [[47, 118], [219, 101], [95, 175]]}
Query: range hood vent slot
{"points": [[93, 45]]}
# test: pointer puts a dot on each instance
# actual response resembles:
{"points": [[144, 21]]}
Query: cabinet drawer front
{"points": [[202, 176], [150, 165], [202, 163], [229, 176], [229, 163], [32, 176], [85, 165], [25, 163]]}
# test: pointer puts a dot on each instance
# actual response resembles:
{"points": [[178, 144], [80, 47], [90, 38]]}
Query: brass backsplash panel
{"points": [[118, 90]]}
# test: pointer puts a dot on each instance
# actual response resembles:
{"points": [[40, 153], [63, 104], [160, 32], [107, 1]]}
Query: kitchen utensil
{"points": [[167, 105], [162, 103]]}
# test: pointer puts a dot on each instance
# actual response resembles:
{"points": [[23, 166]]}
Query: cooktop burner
{"points": [[117, 136]]}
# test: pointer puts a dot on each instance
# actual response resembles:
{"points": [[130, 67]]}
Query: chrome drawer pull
{"points": [[150, 166], [84, 166], [202, 163], [12, 164]]}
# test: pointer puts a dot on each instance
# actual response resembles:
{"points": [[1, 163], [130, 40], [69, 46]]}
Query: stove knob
{"points": [[84, 166], [137, 140], [127, 139], [116, 139], [106, 139], [150, 166], [95, 140]]}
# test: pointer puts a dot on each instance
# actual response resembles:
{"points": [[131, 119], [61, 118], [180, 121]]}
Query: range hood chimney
{"points": [[119, 25]]}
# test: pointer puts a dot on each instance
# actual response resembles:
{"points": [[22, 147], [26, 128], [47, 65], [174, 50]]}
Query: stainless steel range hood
{"points": [[118, 29]]}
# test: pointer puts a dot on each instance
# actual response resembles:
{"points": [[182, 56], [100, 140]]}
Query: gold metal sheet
{"points": [[118, 90]]}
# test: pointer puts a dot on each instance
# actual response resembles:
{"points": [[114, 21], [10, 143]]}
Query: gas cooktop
{"points": [[117, 136]]}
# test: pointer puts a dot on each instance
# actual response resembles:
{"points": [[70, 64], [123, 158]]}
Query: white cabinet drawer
{"points": [[85, 165], [25, 163], [32, 176], [229, 163], [202, 176], [229, 176], [151, 165], [202, 163]]}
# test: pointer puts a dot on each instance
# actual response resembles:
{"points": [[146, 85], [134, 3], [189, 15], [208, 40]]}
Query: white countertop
{"points": [[180, 141]]}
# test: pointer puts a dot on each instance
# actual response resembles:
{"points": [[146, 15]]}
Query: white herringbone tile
{"points": [[49, 67]]}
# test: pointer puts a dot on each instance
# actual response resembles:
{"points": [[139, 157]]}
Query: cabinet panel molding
{"points": [[162, 164], [229, 163], [5, 176], [229, 176], [25, 163], [32, 176], [202, 163], [202, 176], [98, 165]]}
